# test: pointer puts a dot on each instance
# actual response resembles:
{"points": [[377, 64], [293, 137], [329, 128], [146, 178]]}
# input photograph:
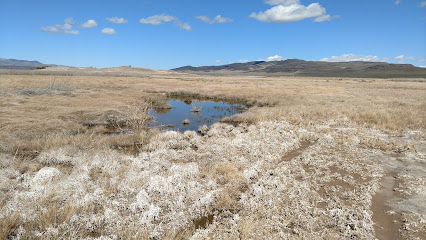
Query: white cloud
{"points": [[117, 20], [422, 4], [184, 26], [89, 24], [397, 2], [50, 29], [158, 19], [203, 18], [290, 13], [323, 18], [273, 58], [218, 61], [66, 26], [72, 32], [220, 19], [217, 19], [401, 57], [60, 29], [69, 21], [108, 31], [353, 57], [282, 2]]}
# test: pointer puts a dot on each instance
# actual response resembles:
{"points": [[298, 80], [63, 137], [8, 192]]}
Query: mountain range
{"points": [[21, 64], [296, 67], [289, 67]]}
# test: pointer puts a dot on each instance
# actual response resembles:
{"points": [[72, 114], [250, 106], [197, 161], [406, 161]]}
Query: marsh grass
{"points": [[54, 87], [172, 179]]}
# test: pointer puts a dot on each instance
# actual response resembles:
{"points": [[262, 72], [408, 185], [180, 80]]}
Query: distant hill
{"points": [[296, 67], [21, 64]]}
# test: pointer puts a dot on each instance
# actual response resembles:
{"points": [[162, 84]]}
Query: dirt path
{"points": [[387, 221], [395, 201]]}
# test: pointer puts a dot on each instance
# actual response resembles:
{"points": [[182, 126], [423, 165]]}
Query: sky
{"points": [[165, 34]]}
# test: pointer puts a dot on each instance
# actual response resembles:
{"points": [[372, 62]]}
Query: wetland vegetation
{"points": [[309, 157]]}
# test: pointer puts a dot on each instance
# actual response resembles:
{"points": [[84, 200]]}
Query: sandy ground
{"points": [[313, 158]]}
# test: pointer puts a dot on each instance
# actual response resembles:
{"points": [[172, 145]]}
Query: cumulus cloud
{"points": [[218, 61], [291, 11], [89, 24], [108, 31], [353, 57], [69, 21], [61, 28], [217, 19], [160, 19], [272, 58], [422, 4], [117, 20], [157, 19]]}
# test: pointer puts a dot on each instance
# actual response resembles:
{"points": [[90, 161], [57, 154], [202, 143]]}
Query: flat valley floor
{"points": [[311, 158]]}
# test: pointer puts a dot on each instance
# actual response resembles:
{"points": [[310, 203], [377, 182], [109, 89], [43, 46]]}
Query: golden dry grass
{"points": [[37, 122], [43, 113]]}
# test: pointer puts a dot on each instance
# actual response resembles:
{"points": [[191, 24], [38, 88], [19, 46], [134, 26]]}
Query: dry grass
{"points": [[29, 120], [36, 122], [62, 178]]}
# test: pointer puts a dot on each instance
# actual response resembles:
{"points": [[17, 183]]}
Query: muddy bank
{"points": [[399, 205]]}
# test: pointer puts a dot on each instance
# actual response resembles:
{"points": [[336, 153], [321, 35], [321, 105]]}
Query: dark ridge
{"points": [[21, 64], [296, 67]]}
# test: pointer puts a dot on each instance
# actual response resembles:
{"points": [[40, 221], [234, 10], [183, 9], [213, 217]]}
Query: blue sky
{"points": [[164, 34]]}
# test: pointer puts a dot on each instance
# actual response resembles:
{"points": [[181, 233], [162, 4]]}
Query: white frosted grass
{"points": [[164, 189], [60, 156], [162, 185]]}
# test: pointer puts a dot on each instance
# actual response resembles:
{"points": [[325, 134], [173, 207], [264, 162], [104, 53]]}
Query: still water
{"points": [[209, 113]]}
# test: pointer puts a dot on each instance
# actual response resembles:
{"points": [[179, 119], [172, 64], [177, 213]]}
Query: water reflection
{"points": [[209, 113]]}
